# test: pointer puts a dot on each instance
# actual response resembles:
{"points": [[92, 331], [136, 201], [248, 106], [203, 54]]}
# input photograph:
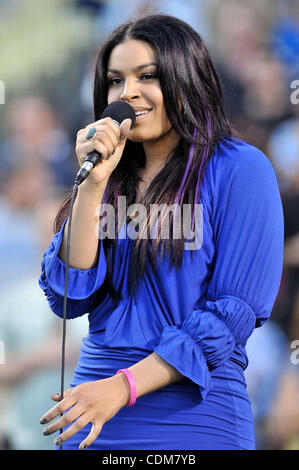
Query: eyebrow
{"points": [[139, 67]]}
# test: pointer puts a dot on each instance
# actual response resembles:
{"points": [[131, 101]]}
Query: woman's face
{"points": [[132, 77]]}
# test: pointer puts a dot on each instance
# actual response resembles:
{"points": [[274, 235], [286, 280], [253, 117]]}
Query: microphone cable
{"points": [[74, 194]]}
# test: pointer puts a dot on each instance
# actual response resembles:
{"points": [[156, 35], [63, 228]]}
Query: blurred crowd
{"points": [[255, 47]]}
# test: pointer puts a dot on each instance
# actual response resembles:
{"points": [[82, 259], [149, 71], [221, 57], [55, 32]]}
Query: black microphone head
{"points": [[119, 111]]}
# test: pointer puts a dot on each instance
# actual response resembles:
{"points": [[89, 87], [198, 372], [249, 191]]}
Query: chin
{"points": [[140, 137], [136, 139]]}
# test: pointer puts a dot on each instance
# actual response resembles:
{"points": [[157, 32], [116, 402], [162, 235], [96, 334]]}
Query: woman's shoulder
{"points": [[234, 158]]}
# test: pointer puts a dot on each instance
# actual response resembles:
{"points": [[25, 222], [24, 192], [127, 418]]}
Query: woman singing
{"points": [[173, 316]]}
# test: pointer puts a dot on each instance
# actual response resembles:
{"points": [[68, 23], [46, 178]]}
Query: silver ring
{"points": [[90, 133]]}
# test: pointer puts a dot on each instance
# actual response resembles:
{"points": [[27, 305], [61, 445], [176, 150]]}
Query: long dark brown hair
{"points": [[187, 75]]}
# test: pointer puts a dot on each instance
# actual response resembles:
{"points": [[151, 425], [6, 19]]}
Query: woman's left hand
{"points": [[90, 402]]}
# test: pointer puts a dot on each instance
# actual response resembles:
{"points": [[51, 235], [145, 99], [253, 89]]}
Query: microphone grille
{"points": [[119, 111]]}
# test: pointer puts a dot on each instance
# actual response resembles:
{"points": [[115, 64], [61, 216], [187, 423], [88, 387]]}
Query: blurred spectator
{"points": [[284, 38], [254, 81], [266, 100], [238, 36], [33, 164], [269, 359], [267, 94], [283, 150], [23, 186], [35, 136], [282, 426], [273, 386], [32, 338]]}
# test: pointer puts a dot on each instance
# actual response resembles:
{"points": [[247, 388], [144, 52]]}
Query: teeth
{"points": [[138, 113]]}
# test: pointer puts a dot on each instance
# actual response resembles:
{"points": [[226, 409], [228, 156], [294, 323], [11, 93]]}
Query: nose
{"points": [[130, 90]]}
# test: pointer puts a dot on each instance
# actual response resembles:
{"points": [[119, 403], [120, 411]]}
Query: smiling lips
{"points": [[140, 111]]}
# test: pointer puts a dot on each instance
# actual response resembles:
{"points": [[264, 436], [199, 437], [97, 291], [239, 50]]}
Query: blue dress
{"points": [[197, 319]]}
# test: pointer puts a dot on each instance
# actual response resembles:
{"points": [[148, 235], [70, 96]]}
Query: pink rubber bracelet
{"points": [[132, 384]]}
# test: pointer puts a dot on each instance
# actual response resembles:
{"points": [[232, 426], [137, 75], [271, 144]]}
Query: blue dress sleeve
{"points": [[83, 284], [247, 221]]}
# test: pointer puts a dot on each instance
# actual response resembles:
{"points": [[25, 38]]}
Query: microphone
{"points": [[118, 111]]}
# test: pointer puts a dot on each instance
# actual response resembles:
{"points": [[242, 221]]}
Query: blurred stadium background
{"points": [[47, 51]]}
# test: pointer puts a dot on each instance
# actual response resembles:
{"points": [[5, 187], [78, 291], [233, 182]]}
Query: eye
{"points": [[149, 76], [114, 81]]}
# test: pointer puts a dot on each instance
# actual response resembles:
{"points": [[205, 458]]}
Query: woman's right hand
{"points": [[109, 141]]}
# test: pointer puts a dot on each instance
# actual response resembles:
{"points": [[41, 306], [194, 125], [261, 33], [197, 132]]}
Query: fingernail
{"points": [[46, 432], [42, 420], [82, 446], [57, 441]]}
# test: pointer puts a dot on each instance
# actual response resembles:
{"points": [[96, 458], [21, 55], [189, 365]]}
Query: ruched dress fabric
{"points": [[197, 318]]}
